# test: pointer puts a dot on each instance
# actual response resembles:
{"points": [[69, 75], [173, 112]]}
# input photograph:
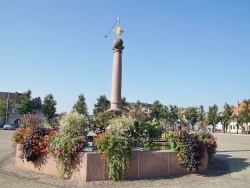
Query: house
{"points": [[232, 128], [12, 114]]}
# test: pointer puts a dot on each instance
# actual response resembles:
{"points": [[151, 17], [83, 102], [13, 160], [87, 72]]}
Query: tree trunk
{"points": [[213, 128], [237, 128]]}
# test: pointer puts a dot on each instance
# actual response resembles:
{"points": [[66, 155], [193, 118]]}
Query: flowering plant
{"points": [[74, 121], [64, 148], [209, 143], [190, 151], [19, 136], [117, 150], [34, 144], [31, 121], [68, 142], [121, 124]]}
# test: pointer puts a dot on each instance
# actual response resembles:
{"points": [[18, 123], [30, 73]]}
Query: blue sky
{"points": [[184, 53]]}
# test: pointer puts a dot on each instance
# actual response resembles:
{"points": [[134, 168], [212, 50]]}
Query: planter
{"points": [[90, 167]]}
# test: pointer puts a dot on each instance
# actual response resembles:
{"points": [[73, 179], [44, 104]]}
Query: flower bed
{"points": [[90, 166]]}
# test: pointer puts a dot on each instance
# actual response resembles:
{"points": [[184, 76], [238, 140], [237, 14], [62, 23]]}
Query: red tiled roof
{"points": [[238, 108]]}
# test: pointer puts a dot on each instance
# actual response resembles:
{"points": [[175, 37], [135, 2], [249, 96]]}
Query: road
{"points": [[229, 169], [5, 142]]}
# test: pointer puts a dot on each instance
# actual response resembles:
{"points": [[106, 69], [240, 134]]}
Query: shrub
{"points": [[150, 129], [121, 124], [74, 121]]}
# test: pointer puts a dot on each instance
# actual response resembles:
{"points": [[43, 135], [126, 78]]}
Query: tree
{"points": [[202, 113], [49, 107], [173, 115], [138, 111], [101, 105], [246, 113], [124, 103], [27, 105], [192, 115], [80, 106], [157, 110], [165, 115], [226, 116], [213, 118], [239, 117], [3, 109]]}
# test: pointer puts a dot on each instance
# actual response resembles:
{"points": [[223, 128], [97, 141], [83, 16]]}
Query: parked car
{"points": [[10, 126], [1, 125]]}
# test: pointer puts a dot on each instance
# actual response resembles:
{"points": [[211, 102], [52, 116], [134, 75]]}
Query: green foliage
{"points": [[226, 116], [49, 107], [117, 150], [170, 136], [3, 108], [165, 113], [121, 124], [157, 110], [151, 130], [201, 114], [80, 106], [246, 111], [192, 115], [124, 103], [213, 118], [138, 111], [74, 121], [102, 119], [101, 105], [173, 114], [27, 105]]}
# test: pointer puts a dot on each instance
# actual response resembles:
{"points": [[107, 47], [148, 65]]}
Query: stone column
{"points": [[117, 76]]}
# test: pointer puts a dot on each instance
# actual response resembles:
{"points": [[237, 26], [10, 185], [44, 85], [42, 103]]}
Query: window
{"points": [[17, 102], [234, 127], [230, 126]]}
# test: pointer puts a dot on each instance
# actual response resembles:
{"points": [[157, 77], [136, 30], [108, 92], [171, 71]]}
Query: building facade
{"points": [[12, 114], [232, 128]]}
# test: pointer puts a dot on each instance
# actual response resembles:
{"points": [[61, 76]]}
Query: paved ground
{"points": [[229, 169]]}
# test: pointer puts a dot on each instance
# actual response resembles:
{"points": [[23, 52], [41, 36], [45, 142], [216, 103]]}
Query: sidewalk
{"points": [[230, 168]]}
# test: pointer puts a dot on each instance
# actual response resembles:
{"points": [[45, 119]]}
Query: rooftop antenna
{"points": [[118, 31]]}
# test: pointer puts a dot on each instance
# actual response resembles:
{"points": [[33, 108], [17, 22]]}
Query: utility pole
{"points": [[7, 108]]}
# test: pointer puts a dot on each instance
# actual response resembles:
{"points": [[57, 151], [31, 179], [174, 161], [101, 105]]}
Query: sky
{"points": [[184, 53]]}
